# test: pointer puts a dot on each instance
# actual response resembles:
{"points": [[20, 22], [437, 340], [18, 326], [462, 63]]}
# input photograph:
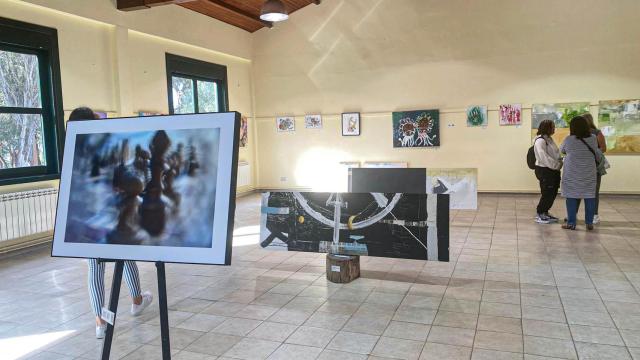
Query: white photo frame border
{"points": [[224, 210]]}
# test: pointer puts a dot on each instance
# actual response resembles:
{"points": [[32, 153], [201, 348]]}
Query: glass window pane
{"points": [[21, 141], [182, 89], [207, 96], [19, 80]]}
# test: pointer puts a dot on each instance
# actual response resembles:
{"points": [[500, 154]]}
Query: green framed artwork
{"points": [[477, 116], [560, 113], [419, 128], [619, 121]]}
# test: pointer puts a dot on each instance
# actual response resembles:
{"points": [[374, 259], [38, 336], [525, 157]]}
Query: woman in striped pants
{"points": [[96, 291], [96, 268]]}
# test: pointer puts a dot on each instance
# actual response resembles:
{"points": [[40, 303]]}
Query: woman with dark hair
{"points": [[602, 145], [548, 165], [140, 299], [580, 172]]}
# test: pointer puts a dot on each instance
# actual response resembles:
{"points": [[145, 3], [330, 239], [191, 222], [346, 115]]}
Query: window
{"points": [[195, 86], [31, 116]]}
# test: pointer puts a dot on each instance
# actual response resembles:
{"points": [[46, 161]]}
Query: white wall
{"points": [[379, 56]]}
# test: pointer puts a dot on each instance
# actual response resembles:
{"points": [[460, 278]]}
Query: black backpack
{"points": [[531, 154]]}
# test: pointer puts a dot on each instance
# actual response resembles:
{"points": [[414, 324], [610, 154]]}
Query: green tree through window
{"points": [[195, 86], [21, 132], [192, 95]]}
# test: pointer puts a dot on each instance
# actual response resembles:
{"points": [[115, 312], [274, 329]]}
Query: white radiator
{"points": [[244, 174], [27, 215]]}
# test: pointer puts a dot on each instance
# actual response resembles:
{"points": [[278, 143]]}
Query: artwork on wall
{"points": [[244, 131], [351, 124], [510, 114], [420, 128], [285, 123], [561, 114], [619, 121], [313, 121], [461, 184], [408, 226], [477, 116], [158, 188]]}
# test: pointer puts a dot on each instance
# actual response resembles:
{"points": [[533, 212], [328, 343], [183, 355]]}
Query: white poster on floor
{"points": [[461, 184]]}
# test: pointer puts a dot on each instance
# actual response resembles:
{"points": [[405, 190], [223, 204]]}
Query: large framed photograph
{"points": [[158, 188], [351, 124]]}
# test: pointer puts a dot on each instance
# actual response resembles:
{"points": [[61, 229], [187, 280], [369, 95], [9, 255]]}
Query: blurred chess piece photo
{"points": [[193, 164], [127, 231], [152, 211]]}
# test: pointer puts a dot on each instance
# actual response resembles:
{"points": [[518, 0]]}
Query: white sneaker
{"points": [[101, 331], [596, 219], [147, 299], [542, 219]]}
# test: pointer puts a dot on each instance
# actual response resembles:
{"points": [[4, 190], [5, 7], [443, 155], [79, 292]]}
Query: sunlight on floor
{"points": [[246, 235], [15, 347]]}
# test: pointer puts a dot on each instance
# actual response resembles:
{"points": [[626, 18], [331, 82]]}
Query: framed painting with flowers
{"points": [[418, 128]]}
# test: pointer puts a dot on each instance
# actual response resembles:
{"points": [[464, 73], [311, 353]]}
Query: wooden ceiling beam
{"points": [[130, 5], [241, 13]]}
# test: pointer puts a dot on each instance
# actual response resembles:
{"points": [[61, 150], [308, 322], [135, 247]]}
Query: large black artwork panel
{"points": [[397, 225]]}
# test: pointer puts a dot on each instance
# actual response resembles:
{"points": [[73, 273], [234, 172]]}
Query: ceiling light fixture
{"points": [[274, 11]]}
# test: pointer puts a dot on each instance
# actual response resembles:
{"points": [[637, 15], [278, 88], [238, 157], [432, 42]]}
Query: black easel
{"points": [[162, 302]]}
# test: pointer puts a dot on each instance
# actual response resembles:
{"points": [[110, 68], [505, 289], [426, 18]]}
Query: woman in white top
{"points": [[548, 165]]}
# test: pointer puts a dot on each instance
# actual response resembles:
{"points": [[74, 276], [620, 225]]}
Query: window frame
{"points": [[196, 70], [21, 37]]}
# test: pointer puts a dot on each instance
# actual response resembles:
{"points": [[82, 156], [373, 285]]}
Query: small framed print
{"points": [[285, 123], [351, 124], [313, 121]]}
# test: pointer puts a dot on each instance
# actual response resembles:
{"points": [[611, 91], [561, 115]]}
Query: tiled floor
{"points": [[513, 290]]}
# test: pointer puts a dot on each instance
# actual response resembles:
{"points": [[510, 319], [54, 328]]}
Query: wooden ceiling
{"points": [[244, 14]]}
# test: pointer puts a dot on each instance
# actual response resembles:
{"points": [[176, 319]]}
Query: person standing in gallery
{"points": [[548, 165], [602, 145], [580, 171], [140, 299]]}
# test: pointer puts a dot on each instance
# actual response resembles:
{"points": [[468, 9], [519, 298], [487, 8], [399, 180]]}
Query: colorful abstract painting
{"points": [[510, 114], [461, 184], [477, 116], [561, 114], [286, 123], [313, 121], [350, 124], [619, 121], [419, 128], [244, 131]]}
